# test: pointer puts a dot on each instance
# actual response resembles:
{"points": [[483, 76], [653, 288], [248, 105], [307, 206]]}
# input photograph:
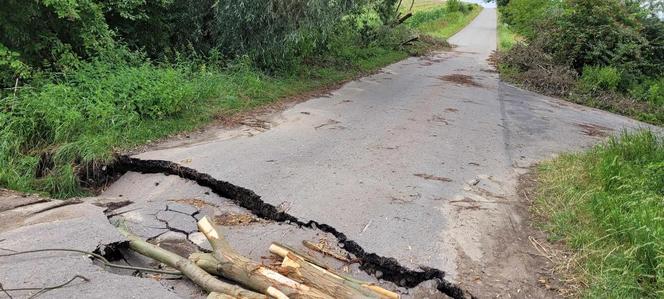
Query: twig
{"points": [[325, 251], [16, 86], [397, 10], [44, 289], [366, 226], [102, 259]]}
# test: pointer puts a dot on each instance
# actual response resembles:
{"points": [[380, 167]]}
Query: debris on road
{"points": [[298, 276], [460, 79], [432, 177]]}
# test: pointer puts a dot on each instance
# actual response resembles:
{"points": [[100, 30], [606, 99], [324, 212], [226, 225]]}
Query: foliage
{"points": [[11, 67], [600, 78], [97, 77], [445, 21], [651, 91], [614, 47], [456, 5], [507, 38], [525, 15], [607, 205], [273, 33]]}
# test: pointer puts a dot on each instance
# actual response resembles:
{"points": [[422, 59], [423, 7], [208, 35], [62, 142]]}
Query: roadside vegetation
{"points": [[82, 80], [443, 21], [607, 205], [506, 37], [607, 54]]}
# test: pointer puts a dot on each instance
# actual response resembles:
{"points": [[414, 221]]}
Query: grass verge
{"points": [[441, 22], [51, 136], [607, 206], [58, 131], [506, 37]]}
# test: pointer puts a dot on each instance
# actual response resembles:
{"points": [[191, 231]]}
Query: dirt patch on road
{"points": [[460, 79], [233, 219], [515, 260], [594, 130]]}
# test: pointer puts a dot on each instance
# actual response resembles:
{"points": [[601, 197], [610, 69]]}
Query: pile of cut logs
{"points": [[299, 275]]}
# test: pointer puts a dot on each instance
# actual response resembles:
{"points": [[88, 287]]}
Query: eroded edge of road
{"points": [[370, 263]]}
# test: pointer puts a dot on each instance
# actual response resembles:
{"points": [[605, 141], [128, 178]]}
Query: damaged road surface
{"points": [[412, 172]]}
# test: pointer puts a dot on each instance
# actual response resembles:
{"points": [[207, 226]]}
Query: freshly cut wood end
{"points": [[278, 250], [206, 227]]}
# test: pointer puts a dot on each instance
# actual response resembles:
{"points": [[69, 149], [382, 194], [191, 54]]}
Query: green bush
{"points": [[526, 16], [456, 5], [275, 34], [651, 91], [615, 45], [604, 78], [82, 117]]}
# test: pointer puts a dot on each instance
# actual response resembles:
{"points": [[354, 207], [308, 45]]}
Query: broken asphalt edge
{"points": [[369, 262]]}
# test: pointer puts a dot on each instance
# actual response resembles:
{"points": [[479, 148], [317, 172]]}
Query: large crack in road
{"points": [[389, 268]]}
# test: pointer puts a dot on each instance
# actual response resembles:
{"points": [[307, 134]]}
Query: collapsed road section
{"points": [[388, 269]]}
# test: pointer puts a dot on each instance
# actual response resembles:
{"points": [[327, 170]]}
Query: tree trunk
{"points": [[320, 276]]}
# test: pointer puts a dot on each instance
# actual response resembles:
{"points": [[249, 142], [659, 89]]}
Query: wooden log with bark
{"points": [[315, 273], [404, 18], [250, 274], [188, 268]]}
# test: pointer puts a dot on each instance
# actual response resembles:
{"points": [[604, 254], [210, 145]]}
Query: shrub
{"points": [[456, 5], [597, 32], [600, 78], [651, 91], [526, 16], [273, 33], [82, 117]]}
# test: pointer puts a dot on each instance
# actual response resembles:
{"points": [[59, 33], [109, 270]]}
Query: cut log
{"points": [[315, 276], [188, 268], [253, 275], [295, 257]]}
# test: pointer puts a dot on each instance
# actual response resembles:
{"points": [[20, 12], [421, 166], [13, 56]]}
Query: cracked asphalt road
{"points": [[419, 162], [409, 162]]}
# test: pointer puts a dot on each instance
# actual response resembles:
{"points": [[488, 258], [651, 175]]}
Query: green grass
{"points": [[102, 109], [421, 5], [441, 23], [607, 205], [61, 124], [506, 37]]}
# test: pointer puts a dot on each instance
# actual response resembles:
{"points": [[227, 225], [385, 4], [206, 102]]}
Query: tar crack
{"points": [[371, 263]]}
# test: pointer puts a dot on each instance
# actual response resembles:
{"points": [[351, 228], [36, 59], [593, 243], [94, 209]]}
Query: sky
{"points": [[481, 2]]}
